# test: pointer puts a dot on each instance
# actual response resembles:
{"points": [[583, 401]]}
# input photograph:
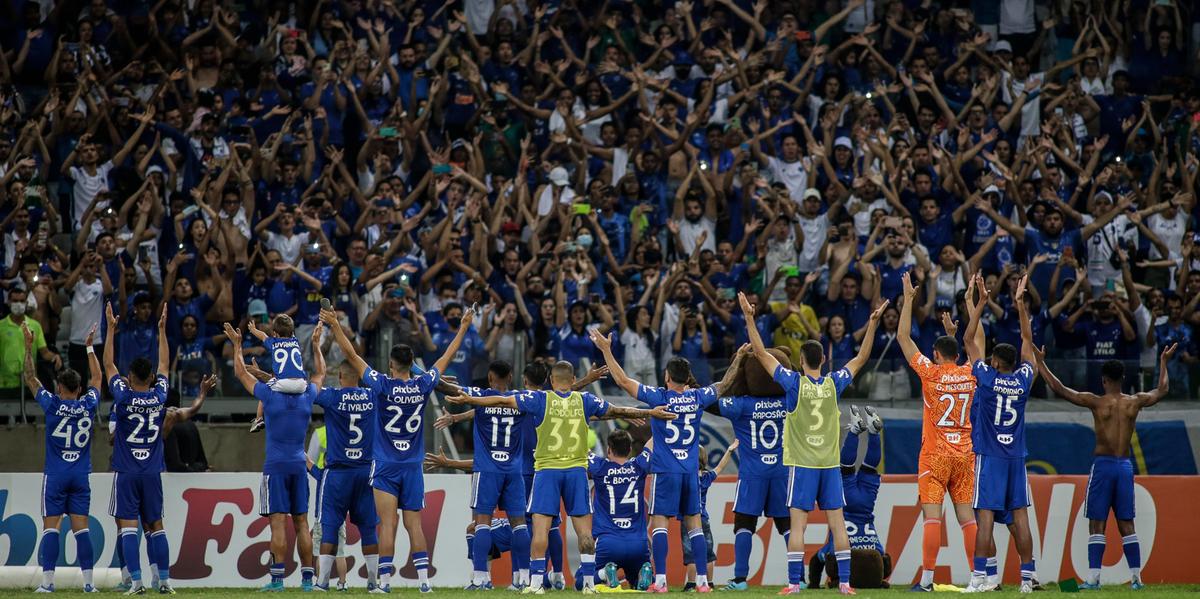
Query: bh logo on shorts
{"points": [[1004, 439], [353, 454], [500, 456], [401, 445], [953, 438], [141, 454], [814, 440], [623, 522], [70, 456], [770, 459]]}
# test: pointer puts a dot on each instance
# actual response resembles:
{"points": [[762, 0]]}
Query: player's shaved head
{"points": [[812, 353], [562, 373], [1004, 357], [946, 348], [679, 371], [283, 326], [347, 374]]}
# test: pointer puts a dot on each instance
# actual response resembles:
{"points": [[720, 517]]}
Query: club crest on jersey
{"points": [[70, 456], [353, 454], [1004, 439], [500, 456], [815, 440], [141, 454], [953, 438], [623, 522], [680, 454], [401, 445], [770, 459]]}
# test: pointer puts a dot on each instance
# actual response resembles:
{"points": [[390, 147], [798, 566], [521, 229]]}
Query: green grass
{"points": [[1172, 590]]}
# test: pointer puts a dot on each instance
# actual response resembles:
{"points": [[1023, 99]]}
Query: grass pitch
{"points": [[1166, 591]]}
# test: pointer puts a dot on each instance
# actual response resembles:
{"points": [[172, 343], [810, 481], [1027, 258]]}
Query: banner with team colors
{"points": [[218, 539]]}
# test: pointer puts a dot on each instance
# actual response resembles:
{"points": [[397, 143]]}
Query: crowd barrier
{"points": [[217, 539]]}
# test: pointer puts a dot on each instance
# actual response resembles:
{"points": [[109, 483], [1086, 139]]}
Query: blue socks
{"points": [[795, 562], [843, 565], [520, 546], [1133, 554], [587, 569], [699, 551], [659, 544], [993, 567], [306, 574], [277, 571], [1095, 555], [48, 550], [979, 566], [1027, 572], [156, 548], [83, 545], [131, 554], [421, 561], [385, 570], [481, 550], [743, 542], [554, 550]]}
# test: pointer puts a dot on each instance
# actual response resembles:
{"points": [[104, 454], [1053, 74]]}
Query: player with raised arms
{"points": [[1001, 391], [399, 449], [70, 424], [139, 405], [560, 417], [946, 462], [345, 486], [1110, 484], [811, 442], [283, 494], [675, 491]]}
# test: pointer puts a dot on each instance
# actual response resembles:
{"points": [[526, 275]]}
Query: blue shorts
{"points": [[528, 478], [284, 494], [491, 490], [501, 541], [1002, 517], [550, 486], [137, 496], [675, 494], [761, 497], [66, 494], [628, 552], [405, 481], [1110, 487], [342, 491], [812, 487], [1001, 483]]}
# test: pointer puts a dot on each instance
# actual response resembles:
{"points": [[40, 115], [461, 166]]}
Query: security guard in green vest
{"points": [[812, 442]]}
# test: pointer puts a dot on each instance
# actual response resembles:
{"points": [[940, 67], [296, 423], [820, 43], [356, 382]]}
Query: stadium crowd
{"points": [[624, 166]]}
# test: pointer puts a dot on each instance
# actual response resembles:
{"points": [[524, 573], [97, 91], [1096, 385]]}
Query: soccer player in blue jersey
{"points": [[560, 460], [283, 494], [619, 525], [860, 484], [399, 446], [345, 486], [676, 488], [70, 422], [286, 358], [707, 478], [139, 406], [811, 439], [1002, 387], [535, 378], [1110, 484], [762, 478]]}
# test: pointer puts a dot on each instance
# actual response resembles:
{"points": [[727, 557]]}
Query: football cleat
{"points": [[557, 580], [645, 576], [123, 586], [703, 588], [42, 589], [791, 589], [257, 425], [136, 589], [736, 586], [371, 588], [1026, 587], [165, 589], [873, 422], [87, 588], [845, 589], [917, 588], [425, 588], [656, 588], [532, 591], [1089, 586], [856, 421], [275, 586], [610, 575], [1135, 584]]}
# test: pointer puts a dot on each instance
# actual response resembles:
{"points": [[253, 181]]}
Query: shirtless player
{"points": [[1110, 485]]}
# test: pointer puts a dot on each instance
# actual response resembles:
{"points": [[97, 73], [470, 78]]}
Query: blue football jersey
{"points": [[676, 442], [758, 427], [400, 415], [528, 431], [707, 478], [1000, 399], [349, 426], [69, 427], [137, 445], [287, 416], [499, 434], [286, 357], [618, 494]]}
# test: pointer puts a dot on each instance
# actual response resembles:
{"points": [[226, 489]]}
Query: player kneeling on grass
{"points": [[619, 524]]}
